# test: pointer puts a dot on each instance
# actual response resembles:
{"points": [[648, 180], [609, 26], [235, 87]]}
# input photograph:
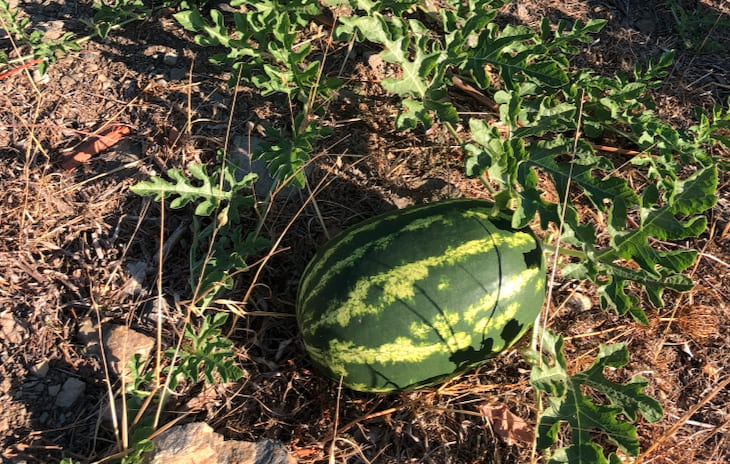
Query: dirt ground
{"points": [[79, 244]]}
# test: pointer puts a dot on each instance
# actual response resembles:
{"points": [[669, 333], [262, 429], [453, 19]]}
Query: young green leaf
{"points": [[286, 159], [206, 348], [182, 191], [514, 52]]}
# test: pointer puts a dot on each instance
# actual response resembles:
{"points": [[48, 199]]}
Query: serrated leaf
{"points": [[435, 101], [653, 284], [191, 20], [209, 349], [569, 404], [407, 44], [182, 190], [545, 153], [412, 114], [489, 152], [549, 117], [627, 396], [285, 159], [659, 270], [514, 52]]}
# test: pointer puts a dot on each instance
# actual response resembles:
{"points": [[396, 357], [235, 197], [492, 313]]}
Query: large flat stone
{"points": [[197, 443]]}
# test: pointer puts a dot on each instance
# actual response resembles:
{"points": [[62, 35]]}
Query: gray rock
{"points": [[40, 369], [170, 58], [177, 74], [241, 151], [135, 284], [240, 155], [646, 25], [197, 442], [120, 343], [34, 388], [70, 391], [39, 78], [67, 82], [579, 302]]}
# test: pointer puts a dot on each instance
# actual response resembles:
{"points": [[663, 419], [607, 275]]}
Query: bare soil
{"points": [[79, 244]]}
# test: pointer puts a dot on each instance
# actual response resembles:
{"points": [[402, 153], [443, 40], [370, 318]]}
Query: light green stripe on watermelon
{"points": [[398, 283], [379, 244], [500, 319], [401, 350], [510, 288], [364, 230], [443, 324]]}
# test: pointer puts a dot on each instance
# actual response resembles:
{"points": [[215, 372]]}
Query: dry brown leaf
{"points": [[510, 427]]}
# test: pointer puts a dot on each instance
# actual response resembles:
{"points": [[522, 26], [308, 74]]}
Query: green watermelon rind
{"points": [[411, 297]]}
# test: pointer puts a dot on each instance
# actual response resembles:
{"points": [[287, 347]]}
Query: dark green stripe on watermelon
{"points": [[413, 296]]}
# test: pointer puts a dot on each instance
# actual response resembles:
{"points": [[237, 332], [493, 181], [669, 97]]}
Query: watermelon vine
{"points": [[547, 119]]}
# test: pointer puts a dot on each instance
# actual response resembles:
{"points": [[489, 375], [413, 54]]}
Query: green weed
{"points": [[204, 354], [25, 37], [692, 26]]}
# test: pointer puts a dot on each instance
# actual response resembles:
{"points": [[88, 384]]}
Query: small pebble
{"points": [[71, 390], [579, 302], [170, 58], [646, 26], [39, 78], [67, 82], [177, 74], [12, 329], [129, 89], [40, 369], [34, 387], [52, 30]]}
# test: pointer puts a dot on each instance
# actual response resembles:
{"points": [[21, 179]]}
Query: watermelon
{"points": [[412, 297]]}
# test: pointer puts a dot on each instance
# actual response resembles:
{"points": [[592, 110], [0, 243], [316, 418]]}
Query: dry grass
{"points": [[74, 243]]}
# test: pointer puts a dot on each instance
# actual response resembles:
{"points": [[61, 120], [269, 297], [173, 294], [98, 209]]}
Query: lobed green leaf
{"points": [[569, 403]]}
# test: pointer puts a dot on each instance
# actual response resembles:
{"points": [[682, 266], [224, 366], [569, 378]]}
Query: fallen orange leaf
{"points": [[510, 427], [94, 146]]}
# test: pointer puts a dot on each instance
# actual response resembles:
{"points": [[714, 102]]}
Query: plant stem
{"points": [[485, 182], [453, 132], [563, 251]]}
